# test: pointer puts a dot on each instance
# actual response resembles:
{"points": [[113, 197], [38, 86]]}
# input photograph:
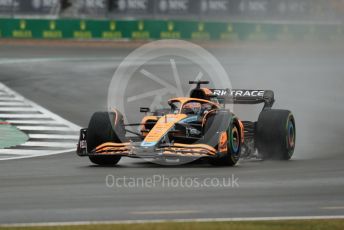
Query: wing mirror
{"points": [[144, 110]]}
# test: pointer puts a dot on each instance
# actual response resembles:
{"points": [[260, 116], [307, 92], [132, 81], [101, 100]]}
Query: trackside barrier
{"points": [[161, 29]]}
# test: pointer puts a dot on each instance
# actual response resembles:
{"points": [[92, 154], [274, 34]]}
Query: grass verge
{"points": [[10, 135], [336, 224]]}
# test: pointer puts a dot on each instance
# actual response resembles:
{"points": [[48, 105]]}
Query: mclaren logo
{"points": [[238, 93]]}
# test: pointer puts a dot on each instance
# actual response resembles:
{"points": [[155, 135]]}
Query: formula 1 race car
{"points": [[194, 127]]}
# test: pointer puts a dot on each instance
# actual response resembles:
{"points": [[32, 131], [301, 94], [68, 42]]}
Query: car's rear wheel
{"points": [[100, 130], [276, 134]]}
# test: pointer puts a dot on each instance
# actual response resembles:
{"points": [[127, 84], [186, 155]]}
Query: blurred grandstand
{"points": [[205, 10]]}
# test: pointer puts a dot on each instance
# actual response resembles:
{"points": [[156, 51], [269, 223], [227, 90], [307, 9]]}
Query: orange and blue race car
{"points": [[199, 126]]}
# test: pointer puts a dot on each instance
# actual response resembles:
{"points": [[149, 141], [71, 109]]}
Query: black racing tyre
{"points": [[224, 121], [276, 134], [105, 160], [233, 146], [216, 122], [100, 130]]}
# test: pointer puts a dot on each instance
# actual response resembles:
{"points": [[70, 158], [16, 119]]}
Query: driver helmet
{"points": [[192, 108]]}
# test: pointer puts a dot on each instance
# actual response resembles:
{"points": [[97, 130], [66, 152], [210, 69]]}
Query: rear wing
{"points": [[244, 96]]}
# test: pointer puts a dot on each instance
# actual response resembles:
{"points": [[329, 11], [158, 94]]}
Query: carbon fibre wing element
{"points": [[244, 96]]}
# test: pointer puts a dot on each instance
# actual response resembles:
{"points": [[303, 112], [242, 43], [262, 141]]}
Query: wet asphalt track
{"points": [[68, 188]]}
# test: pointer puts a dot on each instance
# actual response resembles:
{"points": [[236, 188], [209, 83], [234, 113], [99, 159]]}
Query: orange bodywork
{"points": [[223, 139], [241, 131], [189, 149], [164, 124], [110, 148], [207, 91], [205, 117], [144, 120], [116, 116], [177, 149]]}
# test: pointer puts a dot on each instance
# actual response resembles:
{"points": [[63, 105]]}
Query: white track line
{"points": [[7, 61], [34, 153], [49, 144], [11, 103], [23, 151], [44, 120], [33, 122], [73, 223], [118, 60], [5, 96], [25, 116], [40, 108], [168, 212], [10, 99], [17, 109], [43, 128], [53, 136]]}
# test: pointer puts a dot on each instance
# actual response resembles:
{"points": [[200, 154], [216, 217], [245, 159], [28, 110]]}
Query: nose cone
{"points": [[164, 124]]}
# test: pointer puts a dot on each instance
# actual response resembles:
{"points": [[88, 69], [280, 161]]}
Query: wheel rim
{"points": [[291, 134], [235, 139]]}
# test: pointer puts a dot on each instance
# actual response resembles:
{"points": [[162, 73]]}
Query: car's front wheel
{"points": [[100, 130], [222, 130], [231, 140]]}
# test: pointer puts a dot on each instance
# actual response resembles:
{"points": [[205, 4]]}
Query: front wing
{"points": [[134, 149]]}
